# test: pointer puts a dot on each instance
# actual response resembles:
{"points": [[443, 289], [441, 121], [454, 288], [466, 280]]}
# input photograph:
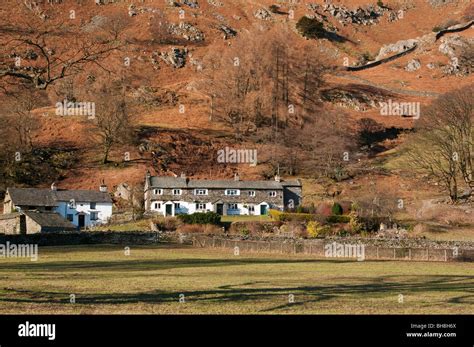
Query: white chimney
{"points": [[53, 186], [103, 187], [183, 175], [236, 177], [277, 178]]}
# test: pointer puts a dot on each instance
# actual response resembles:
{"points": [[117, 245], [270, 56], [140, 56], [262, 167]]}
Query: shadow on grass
{"points": [[151, 265], [408, 285]]}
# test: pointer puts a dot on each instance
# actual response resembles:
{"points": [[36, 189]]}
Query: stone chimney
{"points": [[103, 187], [236, 177], [53, 186], [183, 175]]}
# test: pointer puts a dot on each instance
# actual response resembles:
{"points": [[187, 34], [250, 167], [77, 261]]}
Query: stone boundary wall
{"points": [[382, 250], [455, 29], [80, 238], [381, 61], [439, 34], [375, 249]]}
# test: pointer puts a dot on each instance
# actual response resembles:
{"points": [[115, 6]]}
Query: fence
{"points": [[318, 248]]}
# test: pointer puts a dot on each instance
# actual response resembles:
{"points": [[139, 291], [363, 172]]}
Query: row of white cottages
{"points": [[167, 196]]}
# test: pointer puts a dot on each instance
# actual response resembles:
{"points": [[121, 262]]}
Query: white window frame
{"points": [[228, 192], [158, 191], [157, 205], [252, 193], [232, 204], [201, 192], [177, 191], [177, 205], [199, 208], [251, 209], [272, 193]]}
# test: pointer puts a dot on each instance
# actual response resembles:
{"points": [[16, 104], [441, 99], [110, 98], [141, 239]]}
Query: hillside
{"points": [[172, 111]]}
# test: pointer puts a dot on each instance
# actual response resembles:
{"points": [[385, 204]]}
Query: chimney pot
{"points": [[53, 186], [103, 187]]}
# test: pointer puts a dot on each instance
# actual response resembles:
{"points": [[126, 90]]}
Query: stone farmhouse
{"points": [[170, 196], [55, 209]]}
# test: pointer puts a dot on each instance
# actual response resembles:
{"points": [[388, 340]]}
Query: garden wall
{"points": [[79, 238], [378, 250]]}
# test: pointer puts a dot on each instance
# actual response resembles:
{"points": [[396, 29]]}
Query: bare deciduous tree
{"points": [[39, 52], [112, 120], [442, 147], [262, 82]]}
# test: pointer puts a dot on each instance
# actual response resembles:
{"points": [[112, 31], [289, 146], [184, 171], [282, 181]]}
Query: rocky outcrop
{"points": [[355, 96], [132, 10], [438, 3], [190, 3], [123, 191], [455, 47], [171, 3], [395, 48], [262, 14], [368, 15], [176, 57], [187, 31], [413, 65], [215, 3], [95, 24], [228, 31]]}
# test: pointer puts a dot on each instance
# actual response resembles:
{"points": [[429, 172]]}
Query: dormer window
{"points": [[158, 191], [200, 191], [232, 192], [176, 191]]}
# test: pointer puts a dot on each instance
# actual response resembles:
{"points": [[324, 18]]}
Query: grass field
{"points": [[151, 279]]}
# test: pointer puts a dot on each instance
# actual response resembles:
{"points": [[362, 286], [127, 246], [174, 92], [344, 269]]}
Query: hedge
{"points": [[338, 219], [299, 217], [200, 218]]}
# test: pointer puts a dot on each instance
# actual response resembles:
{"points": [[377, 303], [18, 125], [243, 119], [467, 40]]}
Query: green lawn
{"points": [[151, 279]]}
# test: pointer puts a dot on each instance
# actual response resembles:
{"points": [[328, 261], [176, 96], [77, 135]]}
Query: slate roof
{"points": [[178, 182], [48, 197], [168, 182], [50, 220]]}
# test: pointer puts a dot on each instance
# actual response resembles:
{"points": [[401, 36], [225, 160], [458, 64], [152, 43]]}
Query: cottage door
{"points": [[81, 221]]}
